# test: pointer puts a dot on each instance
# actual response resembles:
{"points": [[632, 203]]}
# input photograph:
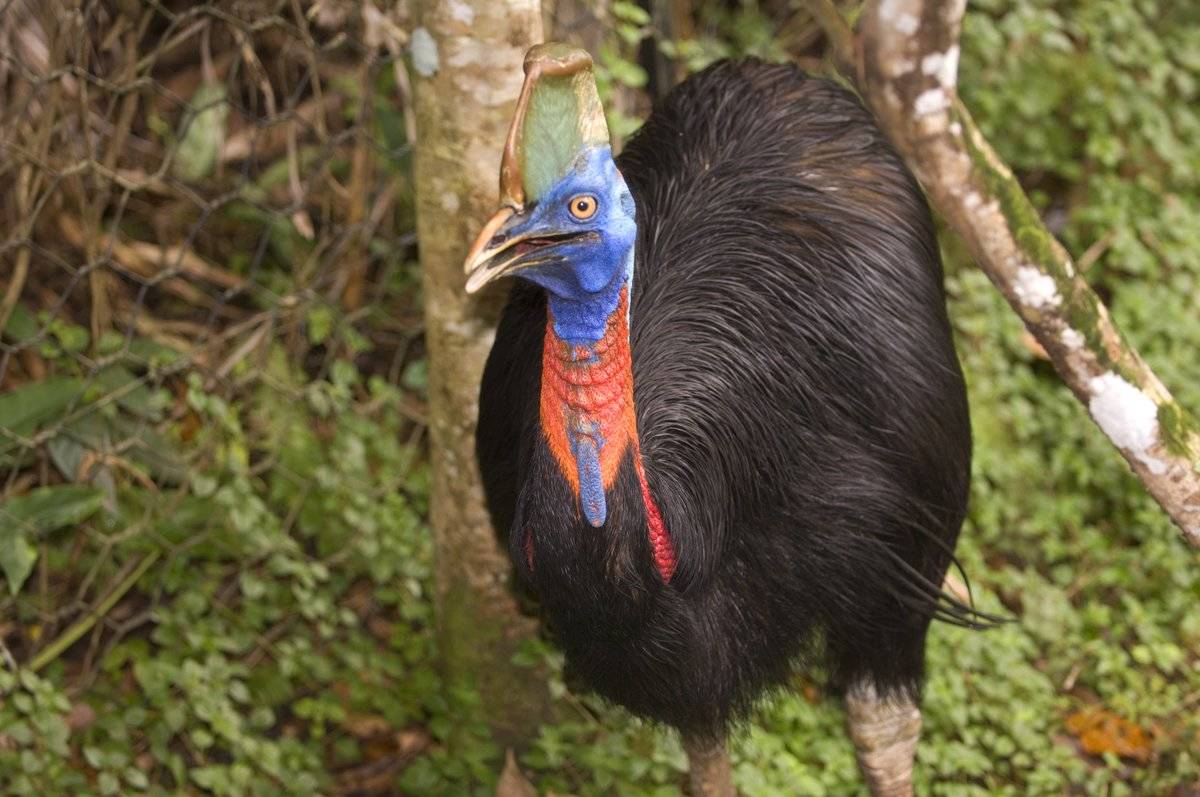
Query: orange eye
{"points": [[582, 206]]}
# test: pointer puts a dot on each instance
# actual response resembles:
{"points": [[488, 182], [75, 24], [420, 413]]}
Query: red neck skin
{"points": [[589, 421]]}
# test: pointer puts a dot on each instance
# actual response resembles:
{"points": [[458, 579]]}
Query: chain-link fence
{"points": [[210, 491], [213, 564]]}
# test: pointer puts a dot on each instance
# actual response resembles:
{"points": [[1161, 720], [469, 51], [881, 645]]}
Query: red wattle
{"points": [[591, 387]]}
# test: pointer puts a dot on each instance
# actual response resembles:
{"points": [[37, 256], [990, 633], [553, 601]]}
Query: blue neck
{"points": [[583, 320]]}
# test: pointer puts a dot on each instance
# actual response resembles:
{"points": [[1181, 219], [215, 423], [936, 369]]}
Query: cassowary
{"points": [[722, 424]]}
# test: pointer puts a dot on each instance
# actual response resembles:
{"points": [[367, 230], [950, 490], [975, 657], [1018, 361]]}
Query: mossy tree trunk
{"points": [[467, 58], [904, 61]]}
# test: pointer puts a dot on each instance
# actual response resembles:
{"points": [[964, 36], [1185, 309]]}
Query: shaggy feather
{"points": [[802, 417]]}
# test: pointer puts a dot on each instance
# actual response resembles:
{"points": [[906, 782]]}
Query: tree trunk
{"points": [[467, 56]]}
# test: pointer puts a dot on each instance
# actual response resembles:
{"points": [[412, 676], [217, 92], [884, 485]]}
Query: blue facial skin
{"points": [[585, 277]]}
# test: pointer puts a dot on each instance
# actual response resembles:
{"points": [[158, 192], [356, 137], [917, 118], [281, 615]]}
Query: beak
{"points": [[500, 249], [480, 252]]}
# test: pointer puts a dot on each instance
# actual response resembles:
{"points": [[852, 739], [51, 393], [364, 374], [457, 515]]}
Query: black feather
{"points": [[802, 415]]}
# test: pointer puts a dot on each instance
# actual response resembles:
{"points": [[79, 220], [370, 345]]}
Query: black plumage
{"points": [[802, 415]]}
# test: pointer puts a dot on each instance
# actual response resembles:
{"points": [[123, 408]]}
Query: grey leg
{"points": [[885, 738], [709, 769]]}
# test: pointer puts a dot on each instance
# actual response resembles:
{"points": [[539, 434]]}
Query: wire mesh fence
{"points": [[213, 561], [207, 288], [214, 569]]}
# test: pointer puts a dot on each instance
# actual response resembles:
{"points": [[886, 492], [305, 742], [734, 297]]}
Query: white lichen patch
{"points": [[1128, 416], [931, 101], [899, 67], [461, 12], [1072, 338], [485, 70], [424, 52], [972, 200], [888, 9], [907, 23], [1035, 289], [943, 66], [897, 13], [472, 329], [955, 129]]}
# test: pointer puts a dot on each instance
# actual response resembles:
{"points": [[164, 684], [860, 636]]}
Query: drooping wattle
{"points": [[588, 418]]}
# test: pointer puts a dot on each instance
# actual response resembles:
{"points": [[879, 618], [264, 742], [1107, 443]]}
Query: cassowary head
{"points": [[566, 220]]}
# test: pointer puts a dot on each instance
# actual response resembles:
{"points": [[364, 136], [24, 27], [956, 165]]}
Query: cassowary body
{"points": [[740, 440]]}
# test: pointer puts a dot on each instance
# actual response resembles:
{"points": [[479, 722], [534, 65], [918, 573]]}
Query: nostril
{"points": [[497, 239]]}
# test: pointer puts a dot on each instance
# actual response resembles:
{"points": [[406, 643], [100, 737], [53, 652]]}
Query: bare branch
{"points": [[909, 72], [842, 43]]}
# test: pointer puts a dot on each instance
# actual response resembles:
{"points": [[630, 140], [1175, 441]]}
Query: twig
{"points": [[353, 273], [7, 656], [16, 284], [21, 269], [1098, 248], [152, 261], [84, 624], [252, 342], [842, 43]]}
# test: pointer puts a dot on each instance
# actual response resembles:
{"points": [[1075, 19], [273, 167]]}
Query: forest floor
{"points": [[280, 632]]}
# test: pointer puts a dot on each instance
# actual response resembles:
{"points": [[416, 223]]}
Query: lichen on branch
{"points": [[904, 62]]}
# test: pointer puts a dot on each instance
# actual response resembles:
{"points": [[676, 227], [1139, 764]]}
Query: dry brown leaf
{"points": [[380, 628], [80, 717], [364, 726], [1101, 731]]}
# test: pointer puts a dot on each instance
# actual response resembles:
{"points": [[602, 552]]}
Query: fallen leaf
{"points": [[80, 717], [384, 759], [380, 628], [364, 726], [412, 741], [1101, 731]]}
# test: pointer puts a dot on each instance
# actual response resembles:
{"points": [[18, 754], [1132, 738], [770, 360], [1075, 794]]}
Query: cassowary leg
{"points": [[709, 768], [885, 732]]}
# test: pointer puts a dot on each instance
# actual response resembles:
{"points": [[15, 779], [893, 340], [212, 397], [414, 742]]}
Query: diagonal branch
{"points": [[907, 70]]}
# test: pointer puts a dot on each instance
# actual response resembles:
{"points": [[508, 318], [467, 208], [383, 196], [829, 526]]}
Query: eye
{"points": [[582, 206]]}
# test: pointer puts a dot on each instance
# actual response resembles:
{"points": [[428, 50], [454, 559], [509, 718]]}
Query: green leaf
{"points": [[22, 326], [320, 324], [48, 508], [627, 73], [416, 376], [30, 405], [630, 12], [16, 557], [132, 393], [202, 134], [35, 513], [71, 337]]}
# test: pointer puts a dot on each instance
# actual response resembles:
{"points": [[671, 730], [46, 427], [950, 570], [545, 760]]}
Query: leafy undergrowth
{"points": [[282, 639], [279, 638]]}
